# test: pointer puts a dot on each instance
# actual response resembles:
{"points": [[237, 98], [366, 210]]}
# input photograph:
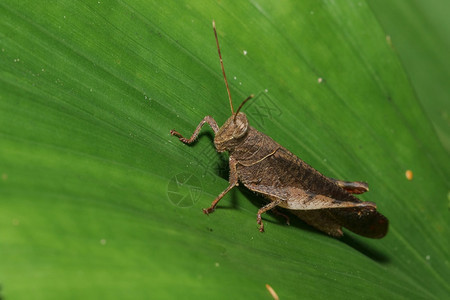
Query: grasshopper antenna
{"points": [[242, 104], [221, 64]]}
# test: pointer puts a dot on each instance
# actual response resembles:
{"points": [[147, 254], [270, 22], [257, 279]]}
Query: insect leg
{"points": [[322, 219], [353, 187], [262, 210], [278, 213], [233, 182], [206, 119]]}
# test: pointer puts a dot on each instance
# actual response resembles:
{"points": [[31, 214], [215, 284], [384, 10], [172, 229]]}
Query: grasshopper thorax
{"points": [[232, 132]]}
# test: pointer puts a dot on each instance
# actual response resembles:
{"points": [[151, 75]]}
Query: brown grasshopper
{"points": [[267, 168]]}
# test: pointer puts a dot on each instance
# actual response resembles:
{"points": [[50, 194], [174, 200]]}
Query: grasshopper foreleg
{"points": [[206, 119]]}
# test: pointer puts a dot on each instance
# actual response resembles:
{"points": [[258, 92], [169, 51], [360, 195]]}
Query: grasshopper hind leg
{"points": [[365, 221], [352, 187], [321, 220]]}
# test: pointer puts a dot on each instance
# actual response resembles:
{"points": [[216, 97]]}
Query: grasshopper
{"points": [[265, 167]]}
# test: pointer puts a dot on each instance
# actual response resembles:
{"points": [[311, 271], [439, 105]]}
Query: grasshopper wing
{"points": [[313, 197]]}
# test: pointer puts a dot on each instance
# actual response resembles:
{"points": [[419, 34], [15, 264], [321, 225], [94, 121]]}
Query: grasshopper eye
{"points": [[240, 126]]}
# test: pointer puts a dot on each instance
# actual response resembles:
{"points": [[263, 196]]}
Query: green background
{"points": [[90, 205]]}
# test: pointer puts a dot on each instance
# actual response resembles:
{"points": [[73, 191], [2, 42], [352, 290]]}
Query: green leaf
{"points": [[98, 200], [420, 31]]}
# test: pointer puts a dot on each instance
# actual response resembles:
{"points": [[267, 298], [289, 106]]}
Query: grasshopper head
{"points": [[232, 132], [236, 127]]}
